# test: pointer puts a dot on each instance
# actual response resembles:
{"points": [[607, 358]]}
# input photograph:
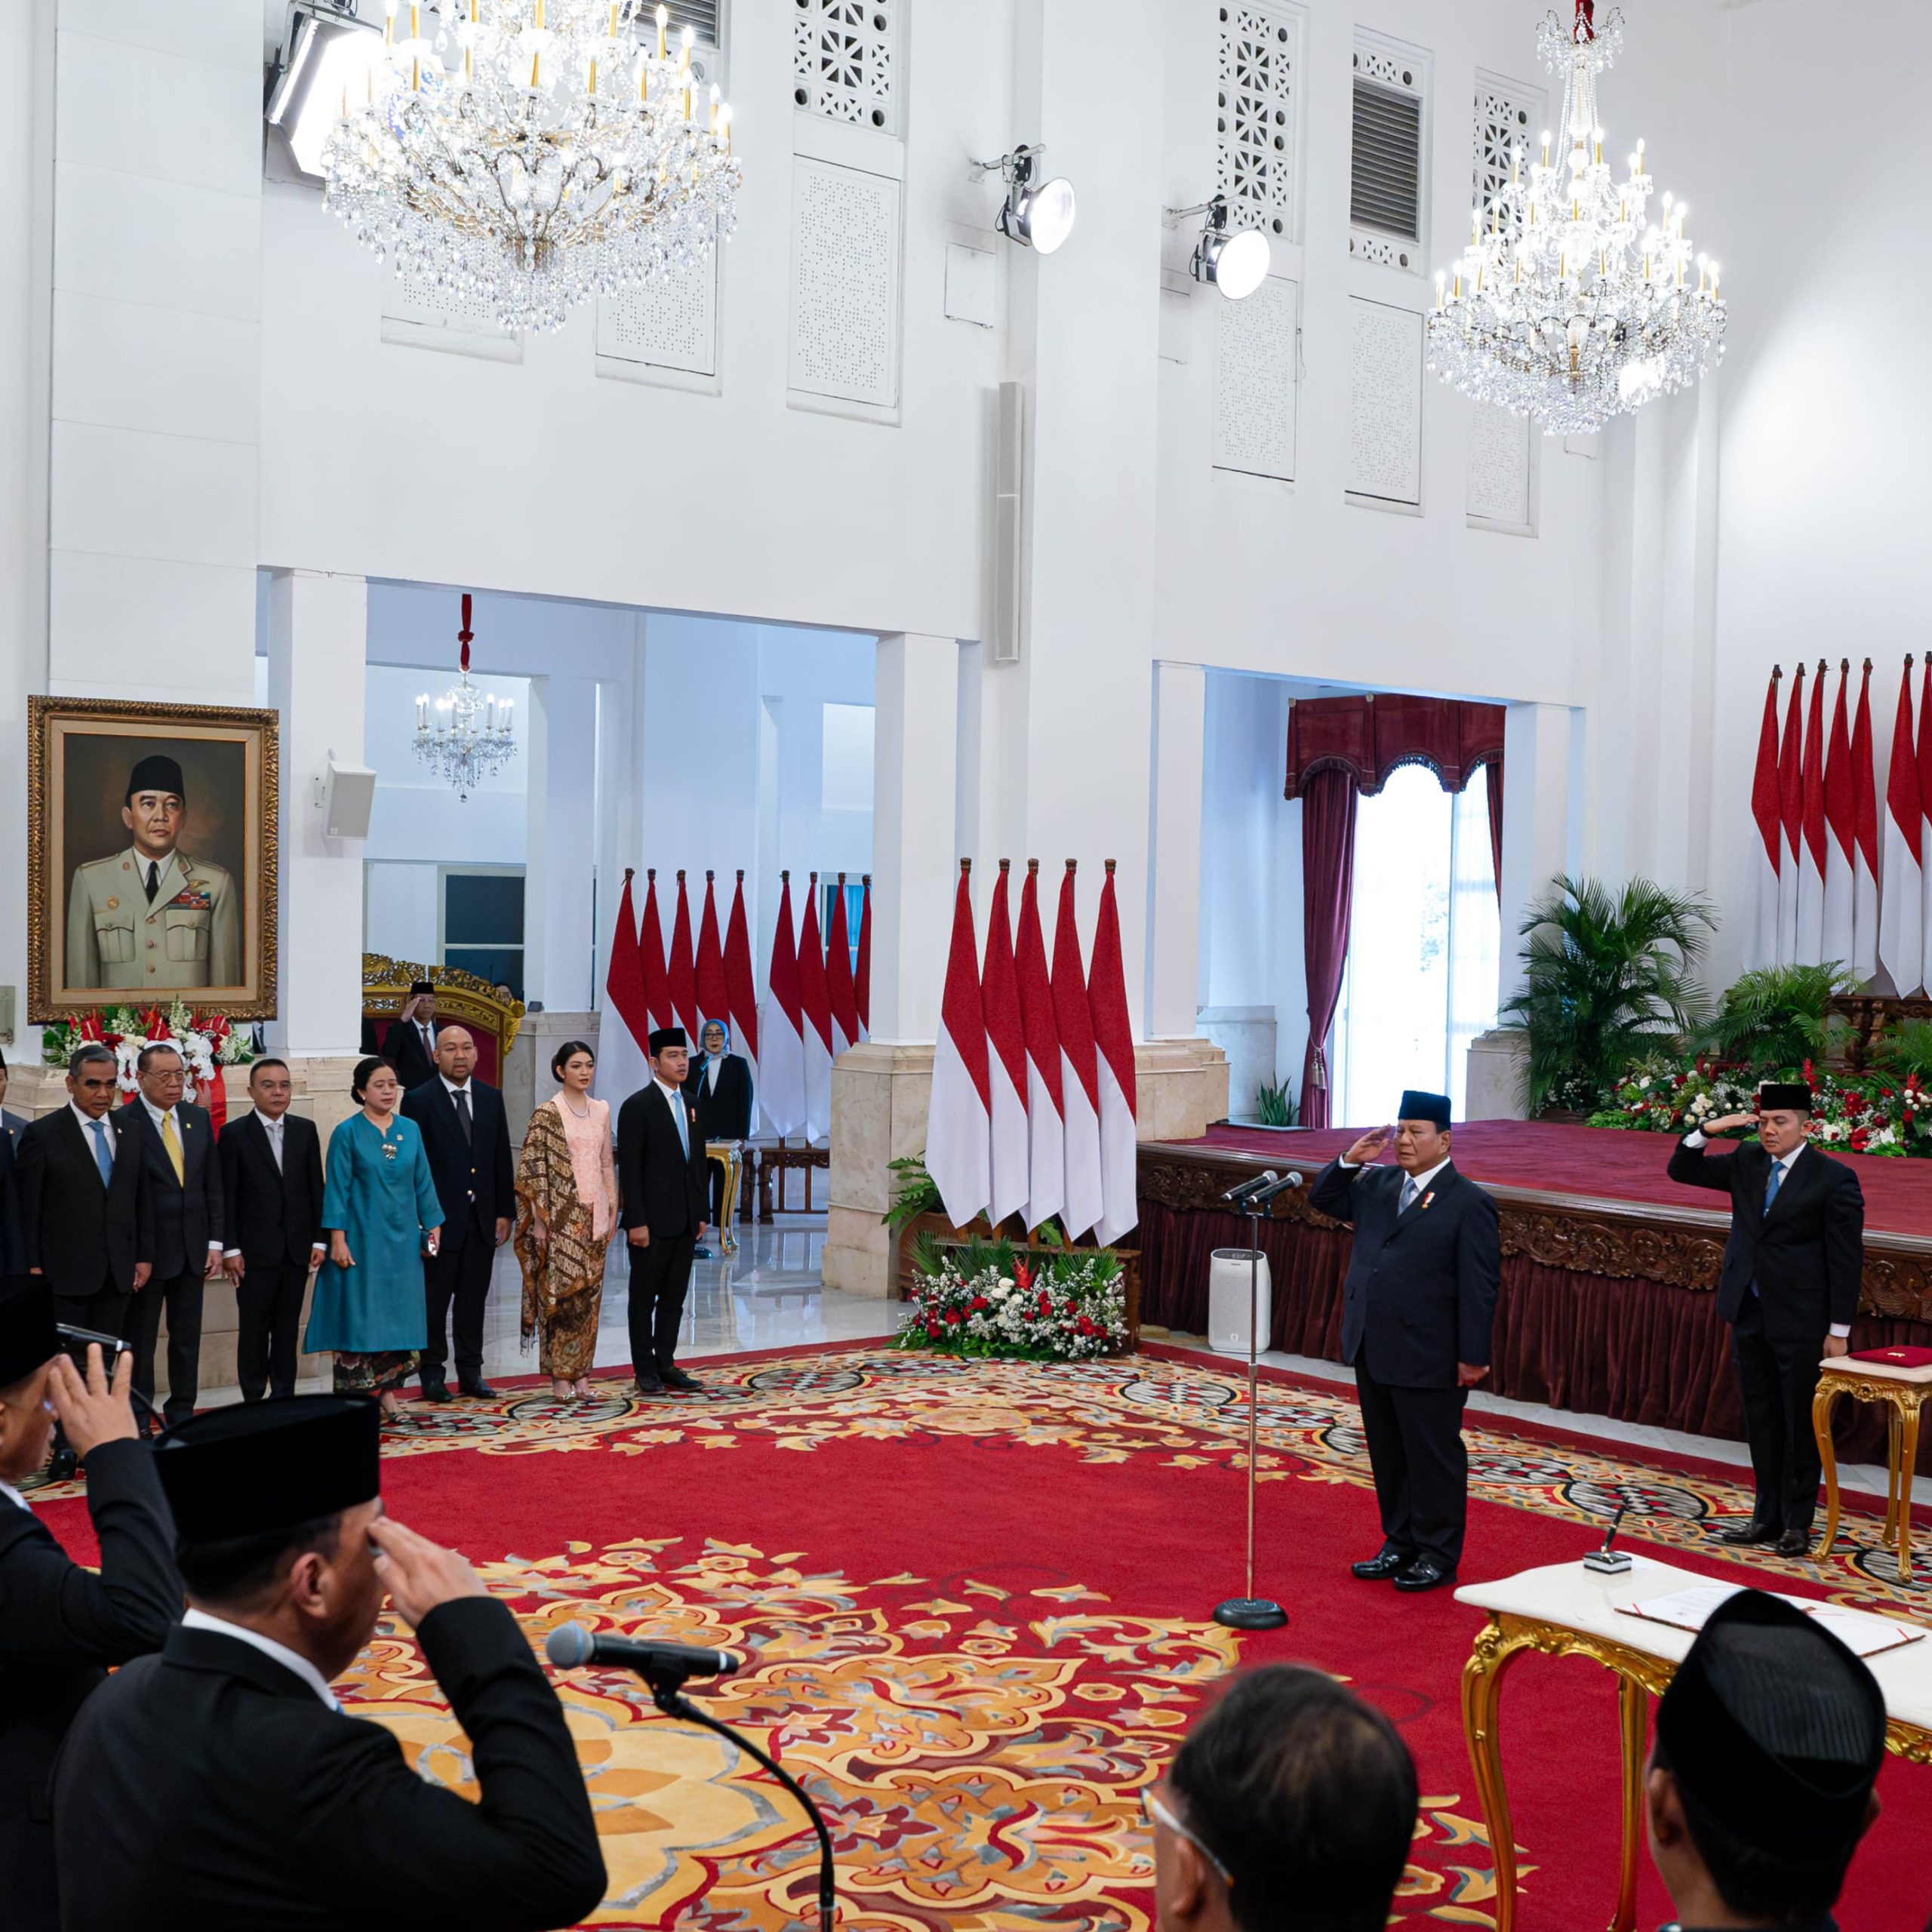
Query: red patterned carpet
{"points": [[1555, 1157], [976, 1599]]}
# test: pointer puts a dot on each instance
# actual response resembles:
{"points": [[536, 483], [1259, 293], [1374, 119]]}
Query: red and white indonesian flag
{"points": [[624, 1022], [1925, 804], [1113, 1039], [958, 1142], [1865, 843], [1791, 814], [815, 1013], [841, 1000], [1762, 947], [782, 1090], [1006, 1061], [861, 966], [1046, 1162], [1811, 857], [1901, 908], [741, 990], [1841, 832], [1079, 1072]]}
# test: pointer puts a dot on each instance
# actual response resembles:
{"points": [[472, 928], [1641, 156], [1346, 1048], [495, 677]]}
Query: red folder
{"points": [[1900, 1357]]}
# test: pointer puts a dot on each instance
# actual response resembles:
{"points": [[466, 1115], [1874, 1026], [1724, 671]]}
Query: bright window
{"points": [[1424, 943]]}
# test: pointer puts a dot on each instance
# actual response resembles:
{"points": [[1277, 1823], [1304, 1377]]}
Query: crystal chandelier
{"points": [[531, 154], [472, 738], [1571, 304]]}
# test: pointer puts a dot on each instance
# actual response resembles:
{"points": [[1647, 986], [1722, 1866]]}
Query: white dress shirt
{"points": [[1697, 1137], [710, 1073], [273, 1128], [200, 1619], [12, 1495]]}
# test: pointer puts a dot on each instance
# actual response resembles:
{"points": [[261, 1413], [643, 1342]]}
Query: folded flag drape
{"points": [[625, 1022], [1901, 908], [1006, 1060], [1767, 848], [1080, 1079], [1865, 838], [714, 1000], [1811, 857], [1925, 806], [1791, 811], [841, 999], [740, 989], [862, 971], [684, 966], [1113, 1041], [959, 1140], [1840, 831], [651, 948], [782, 1091], [815, 1013], [1046, 1165]]}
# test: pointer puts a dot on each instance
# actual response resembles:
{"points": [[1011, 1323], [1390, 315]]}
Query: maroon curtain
{"points": [[1369, 736], [1493, 777], [1327, 895]]}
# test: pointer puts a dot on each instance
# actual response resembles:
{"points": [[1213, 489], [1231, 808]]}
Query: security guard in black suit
{"points": [[1792, 1268], [61, 1625], [219, 1787], [1416, 1310]]}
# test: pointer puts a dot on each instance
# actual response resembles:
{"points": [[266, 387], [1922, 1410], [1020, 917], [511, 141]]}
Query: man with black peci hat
{"points": [[1416, 1310], [61, 1625], [410, 1045], [1759, 1786], [219, 1787], [1792, 1268], [151, 920]]}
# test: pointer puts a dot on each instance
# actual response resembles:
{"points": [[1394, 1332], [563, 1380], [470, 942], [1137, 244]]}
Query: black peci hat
{"points": [[1787, 1095], [28, 1338], [422, 985], [157, 773], [256, 1467], [1417, 1106], [667, 1036], [1775, 1728]]}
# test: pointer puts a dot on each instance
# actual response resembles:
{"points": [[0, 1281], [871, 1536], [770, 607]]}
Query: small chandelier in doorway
{"points": [[472, 738]]}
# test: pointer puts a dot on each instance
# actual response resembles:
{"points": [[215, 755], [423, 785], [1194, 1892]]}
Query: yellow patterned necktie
{"points": [[172, 1142]]}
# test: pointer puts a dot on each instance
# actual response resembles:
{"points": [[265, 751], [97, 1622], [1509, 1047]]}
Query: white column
{"points": [[559, 871], [915, 862], [1174, 883], [318, 648], [1536, 818], [156, 352]]}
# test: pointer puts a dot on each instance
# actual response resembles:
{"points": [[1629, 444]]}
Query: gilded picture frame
{"points": [[153, 854]]}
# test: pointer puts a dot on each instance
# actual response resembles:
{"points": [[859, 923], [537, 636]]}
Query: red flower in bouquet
{"points": [[953, 1315], [1861, 1138], [979, 1303], [1022, 1275]]}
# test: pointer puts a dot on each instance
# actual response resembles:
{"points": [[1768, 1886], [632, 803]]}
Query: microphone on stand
{"points": [[1262, 1196], [664, 1667], [1248, 1186]]}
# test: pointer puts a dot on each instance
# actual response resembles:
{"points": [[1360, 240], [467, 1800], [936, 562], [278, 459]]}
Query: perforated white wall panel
{"points": [[1257, 388], [1509, 115], [670, 321], [844, 337], [1385, 402], [415, 298], [1499, 465], [1257, 104], [842, 60]]}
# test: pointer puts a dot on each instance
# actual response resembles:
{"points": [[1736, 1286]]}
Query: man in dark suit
{"points": [[61, 1625], [13, 1239], [720, 1086], [410, 1045], [468, 1141], [661, 1182], [86, 1213], [184, 1186], [219, 1787], [11, 1124], [1416, 1310], [1792, 1268], [271, 1194]]}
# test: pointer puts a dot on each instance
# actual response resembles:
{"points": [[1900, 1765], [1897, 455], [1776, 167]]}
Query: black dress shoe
{"points": [[436, 1391], [1792, 1542], [1380, 1569], [1424, 1572], [479, 1391], [648, 1384], [65, 1466], [676, 1378], [1754, 1531]]}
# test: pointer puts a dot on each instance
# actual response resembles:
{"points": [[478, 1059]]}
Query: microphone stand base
{"points": [[1250, 1613]]}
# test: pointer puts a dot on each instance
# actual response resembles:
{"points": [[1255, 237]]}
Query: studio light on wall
{"points": [[327, 54], [1038, 215], [1234, 260]]}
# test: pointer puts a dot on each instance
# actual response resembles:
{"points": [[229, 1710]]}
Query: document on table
{"points": [[1861, 1632]]}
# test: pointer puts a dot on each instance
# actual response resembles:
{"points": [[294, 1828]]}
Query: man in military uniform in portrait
{"points": [[152, 919]]}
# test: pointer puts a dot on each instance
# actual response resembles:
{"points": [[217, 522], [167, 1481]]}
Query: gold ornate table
{"points": [[1904, 1391], [730, 1155], [1564, 1610]]}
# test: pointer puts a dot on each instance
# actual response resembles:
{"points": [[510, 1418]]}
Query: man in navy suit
{"points": [[1793, 1269], [184, 1184], [1416, 1311], [468, 1141]]}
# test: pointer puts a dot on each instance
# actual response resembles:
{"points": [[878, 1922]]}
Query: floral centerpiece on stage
{"points": [[204, 1041], [989, 1298]]}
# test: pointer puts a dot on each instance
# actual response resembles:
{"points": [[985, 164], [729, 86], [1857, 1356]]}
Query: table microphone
{"points": [[571, 1646], [1248, 1186], [1291, 1179]]}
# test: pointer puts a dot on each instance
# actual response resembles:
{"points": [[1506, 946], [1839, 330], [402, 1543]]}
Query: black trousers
{"points": [[181, 1295], [660, 1278], [458, 1279], [269, 1299], [1420, 1464], [1779, 1379]]}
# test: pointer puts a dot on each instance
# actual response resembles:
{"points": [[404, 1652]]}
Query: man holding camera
{"points": [[61, 1625]]}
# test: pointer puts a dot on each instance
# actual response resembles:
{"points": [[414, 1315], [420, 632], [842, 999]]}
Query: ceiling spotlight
{"points": [[1236, 262], [1038, 216], [329, 54]]}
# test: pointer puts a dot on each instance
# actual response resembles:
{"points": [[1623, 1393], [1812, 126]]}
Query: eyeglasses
{"points": [[1152, 1811]]}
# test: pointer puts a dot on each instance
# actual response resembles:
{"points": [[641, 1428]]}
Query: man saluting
{"points": [[1789, 1286], [1416, 1310]]}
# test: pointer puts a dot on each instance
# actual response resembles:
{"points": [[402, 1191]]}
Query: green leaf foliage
{"points": [[1776, 1016]]}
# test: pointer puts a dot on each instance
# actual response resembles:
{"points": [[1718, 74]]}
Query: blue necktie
{"points": [[1772, 1181], [1410, 1189], [684, 1132], [103, 1154]]}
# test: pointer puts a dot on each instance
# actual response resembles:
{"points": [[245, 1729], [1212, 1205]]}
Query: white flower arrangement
{"points": [[1067, 1306]]}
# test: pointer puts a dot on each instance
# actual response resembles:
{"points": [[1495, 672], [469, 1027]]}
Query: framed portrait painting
{"points": [[151, 856]]}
